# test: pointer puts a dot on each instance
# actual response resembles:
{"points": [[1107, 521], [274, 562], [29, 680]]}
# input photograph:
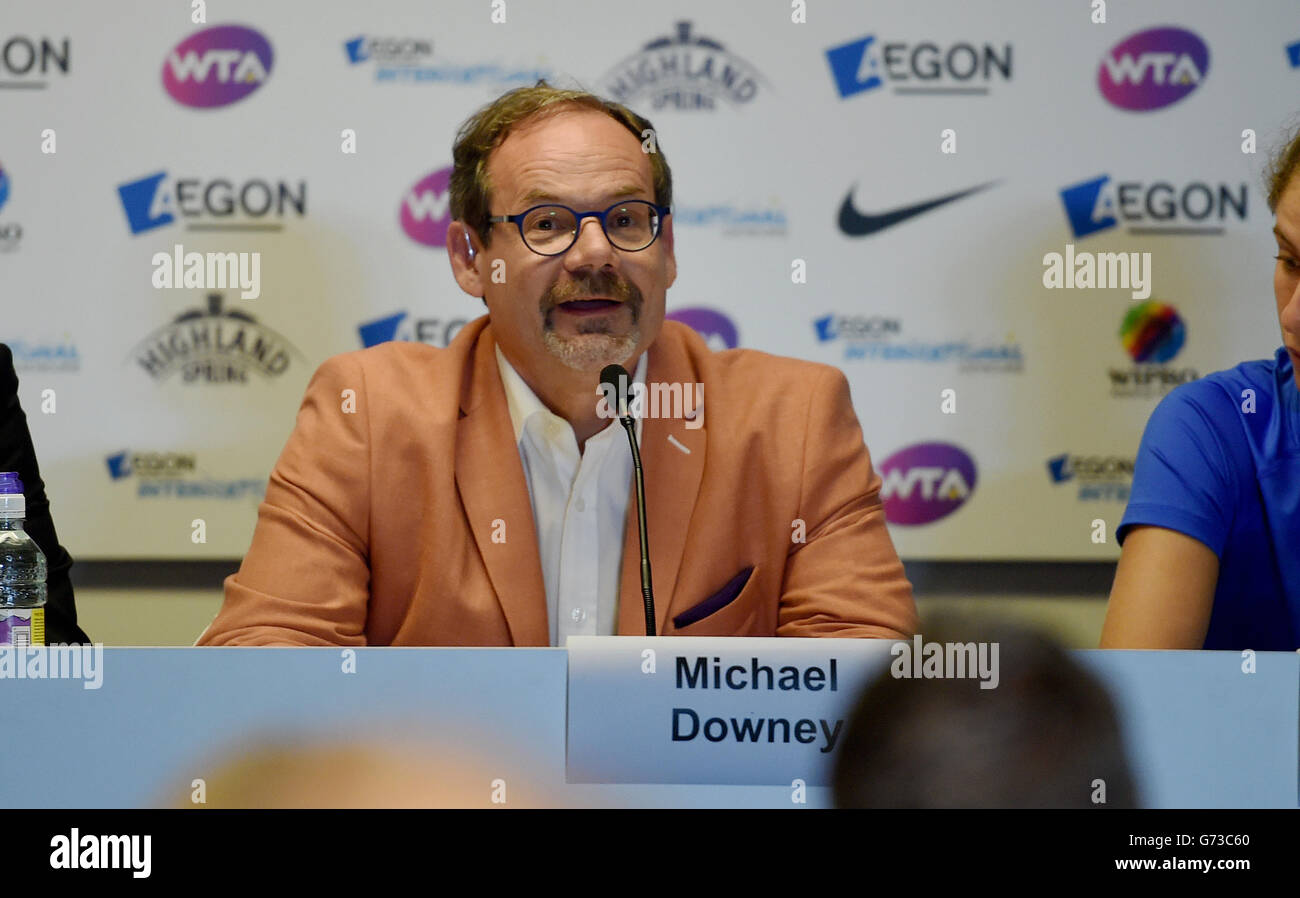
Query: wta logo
{"points": [[426, 209], [4, 186], [217, 66], [717, 329], [1152, 332], [1153, 69], [925, 482]]}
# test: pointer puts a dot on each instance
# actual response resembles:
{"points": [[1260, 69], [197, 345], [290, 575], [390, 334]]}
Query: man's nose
{"points": [[591, 247]]}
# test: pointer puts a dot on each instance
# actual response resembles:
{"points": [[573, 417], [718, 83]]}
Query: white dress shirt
{"points": [[579, 506]]}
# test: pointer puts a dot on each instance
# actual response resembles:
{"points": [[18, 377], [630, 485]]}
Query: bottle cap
{"points": [[12, 502]]}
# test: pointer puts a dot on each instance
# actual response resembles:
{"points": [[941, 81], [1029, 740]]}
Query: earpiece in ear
{"points": [[469, 246]]}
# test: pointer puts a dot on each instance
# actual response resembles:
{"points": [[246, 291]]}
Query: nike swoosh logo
{"points": [[855, 224]]}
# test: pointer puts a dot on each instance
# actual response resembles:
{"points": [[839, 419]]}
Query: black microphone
{"points": [[615, 378]]}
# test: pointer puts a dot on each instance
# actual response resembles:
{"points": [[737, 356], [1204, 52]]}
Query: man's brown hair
{"points": [[484, 131]]}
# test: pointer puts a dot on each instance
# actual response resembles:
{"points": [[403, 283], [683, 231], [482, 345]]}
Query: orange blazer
{"points": [[398, 513]]}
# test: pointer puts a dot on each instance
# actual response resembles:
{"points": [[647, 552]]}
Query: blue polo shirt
{"points": [[1213, 468]]}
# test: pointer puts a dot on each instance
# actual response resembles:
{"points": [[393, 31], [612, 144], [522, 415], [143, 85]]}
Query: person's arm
{"points": [[1183, 500], [1163, 592], [846, 578], [17, 453], [306, 577]]}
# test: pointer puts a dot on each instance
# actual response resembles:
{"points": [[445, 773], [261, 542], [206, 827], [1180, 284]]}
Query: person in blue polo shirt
{"points": [[1211, 535]]}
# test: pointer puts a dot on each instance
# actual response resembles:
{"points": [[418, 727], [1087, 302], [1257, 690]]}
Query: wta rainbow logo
{"points": [[924, 482], [1153, 69], [1152, 332], [4, 186], [217, 66], [426, 209]]}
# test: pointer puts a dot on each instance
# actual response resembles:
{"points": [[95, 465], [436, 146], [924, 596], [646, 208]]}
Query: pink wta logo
{"points": [[217, 66], [426, 209], [1153, 69]]}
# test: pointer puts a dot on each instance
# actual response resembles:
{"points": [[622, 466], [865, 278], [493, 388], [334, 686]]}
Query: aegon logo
{"points": [[437, 332], [215, 205], [150, 464], [856, 327], [921, 68], [925, 482], [1153, 69], [717, 329], [25, 63], [426, 209], [1194, 208], [217, 66]]}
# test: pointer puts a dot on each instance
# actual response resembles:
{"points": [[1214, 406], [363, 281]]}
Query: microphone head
{"points": [[613, 383], [613, 375]]}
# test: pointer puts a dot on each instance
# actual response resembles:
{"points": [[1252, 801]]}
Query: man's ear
{"points": [[667, 238], [463, 251]]}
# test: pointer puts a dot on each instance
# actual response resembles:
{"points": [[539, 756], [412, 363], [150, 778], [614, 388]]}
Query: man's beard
{"points": [[593, 346]]}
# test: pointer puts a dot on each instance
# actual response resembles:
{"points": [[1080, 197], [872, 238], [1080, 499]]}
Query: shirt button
{"points": [[580, 505], [578, 615]]}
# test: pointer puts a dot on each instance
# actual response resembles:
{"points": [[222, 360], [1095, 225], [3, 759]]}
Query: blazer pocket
{"points": [[716, 602]]}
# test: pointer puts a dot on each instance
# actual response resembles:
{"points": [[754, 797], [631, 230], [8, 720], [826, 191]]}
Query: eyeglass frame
{"points": [[661, 211]]}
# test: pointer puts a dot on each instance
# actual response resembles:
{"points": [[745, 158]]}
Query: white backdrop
{"points": [[761, 168]]}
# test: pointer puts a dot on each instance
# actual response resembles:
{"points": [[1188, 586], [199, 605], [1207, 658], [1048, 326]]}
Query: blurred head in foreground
{"points": [[354, 774], [1040, 739]]}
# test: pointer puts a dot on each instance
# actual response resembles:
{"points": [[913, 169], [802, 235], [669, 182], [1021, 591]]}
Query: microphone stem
{"points": [[647, 592]]}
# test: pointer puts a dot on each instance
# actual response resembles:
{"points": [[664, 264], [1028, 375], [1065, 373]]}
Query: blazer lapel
{"points": [[492, 488], [673, 458]]}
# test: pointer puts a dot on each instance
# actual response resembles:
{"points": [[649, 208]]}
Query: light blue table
{"points": [[1200, 732]]}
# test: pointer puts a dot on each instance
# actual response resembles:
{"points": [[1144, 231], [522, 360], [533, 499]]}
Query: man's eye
{"points": [[1287, 262]]}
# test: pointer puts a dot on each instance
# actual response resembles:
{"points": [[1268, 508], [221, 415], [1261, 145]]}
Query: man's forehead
{"points": [[570, 156], [549, 193]]}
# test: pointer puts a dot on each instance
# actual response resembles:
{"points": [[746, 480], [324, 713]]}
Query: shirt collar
{"points": [[523, 402]]}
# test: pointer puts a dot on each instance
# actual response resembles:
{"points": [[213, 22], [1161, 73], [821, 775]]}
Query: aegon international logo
{"points": [[1193, 208], [217, 66], [1152, 334], [44, 355], [734, 221], [717, 329], [683, 71], [1101, 478], [923, 67], [879, 338], [11, 232], [216, 204], [213, 345], [409, 60], [176, 475], [426, 209], [1153, 69], [925, 482], [437, 332], [26, 63]]}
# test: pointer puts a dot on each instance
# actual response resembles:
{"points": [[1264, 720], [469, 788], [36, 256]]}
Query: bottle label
{"points": [[22, 626]]}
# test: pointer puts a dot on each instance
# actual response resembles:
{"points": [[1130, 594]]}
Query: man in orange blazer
{"points": [[479, 495]]}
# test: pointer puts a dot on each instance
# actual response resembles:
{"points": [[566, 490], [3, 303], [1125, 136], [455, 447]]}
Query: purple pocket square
{"points": [[716, 602]]}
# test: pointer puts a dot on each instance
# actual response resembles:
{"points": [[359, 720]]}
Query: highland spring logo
{"points": [[217, 66], [683, 71], [213, 345]]}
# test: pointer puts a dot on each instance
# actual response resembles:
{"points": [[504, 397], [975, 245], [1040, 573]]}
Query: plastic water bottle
{"points": [[22, 571]]}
